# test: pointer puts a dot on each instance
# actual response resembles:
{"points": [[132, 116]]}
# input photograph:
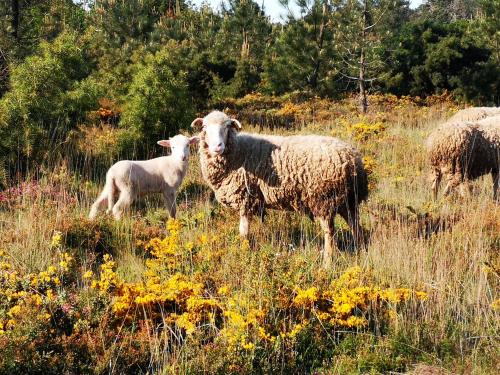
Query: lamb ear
{"points": [[194, 140], [236, 124], [164, 143], [197, 123]]}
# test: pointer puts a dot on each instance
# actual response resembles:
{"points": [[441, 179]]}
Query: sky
{"points": [[274, 8]]}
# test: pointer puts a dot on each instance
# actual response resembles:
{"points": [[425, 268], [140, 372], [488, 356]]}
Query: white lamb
{"points": [[131, 179]]}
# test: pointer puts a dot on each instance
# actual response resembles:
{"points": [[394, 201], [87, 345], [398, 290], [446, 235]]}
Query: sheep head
{"points": [[179, 145], [215, 128]]}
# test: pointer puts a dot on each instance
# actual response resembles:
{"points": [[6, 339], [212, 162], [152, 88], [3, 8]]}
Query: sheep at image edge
{"points": [[463, 151], [474, 114], [131, 179], [315, 175]]}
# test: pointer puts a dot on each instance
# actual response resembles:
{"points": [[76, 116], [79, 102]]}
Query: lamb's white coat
{"points": [[133, 178]]}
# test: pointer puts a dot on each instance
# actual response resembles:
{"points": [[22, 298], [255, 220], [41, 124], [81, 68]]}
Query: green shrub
{"points": [[158, 103], [48, 96]]}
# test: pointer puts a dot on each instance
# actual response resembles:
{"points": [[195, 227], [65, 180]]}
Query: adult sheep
{"points": [[474, 114], [464, 151], [318, 176]]}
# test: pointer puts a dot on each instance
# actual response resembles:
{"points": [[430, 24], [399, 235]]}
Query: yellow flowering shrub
{"points": [[363, 130], [350, 302], [162, 296], [21, 293], [176, 303]]}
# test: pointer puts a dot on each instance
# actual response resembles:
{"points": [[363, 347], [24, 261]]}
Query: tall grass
{"points": [[448, 248]]}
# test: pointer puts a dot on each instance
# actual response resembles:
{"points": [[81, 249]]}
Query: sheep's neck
{"points": [[239, 154], [217, 168], [177, 167]]}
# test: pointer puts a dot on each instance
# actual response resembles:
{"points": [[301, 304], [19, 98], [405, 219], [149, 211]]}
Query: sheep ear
{"points": [[164, 143], [197, 123], [194, 140], [236, 124]]}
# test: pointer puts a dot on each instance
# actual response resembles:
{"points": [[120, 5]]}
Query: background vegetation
{"points": [[83, 84]]}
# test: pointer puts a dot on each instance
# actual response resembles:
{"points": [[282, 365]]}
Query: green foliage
{"points": [[48, 96], [245, 80], [158, 104], [131, 20], [299, 54], [244, 30], [38, 20], [449, 10], [489, 27], [434, 58], [160, 61]]}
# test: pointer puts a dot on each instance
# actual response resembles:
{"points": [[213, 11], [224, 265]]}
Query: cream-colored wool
{"points": [[490, 130], [474, 114], [462, 151], [318, 176]]}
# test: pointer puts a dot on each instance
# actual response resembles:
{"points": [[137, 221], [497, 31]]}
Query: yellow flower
{"points": [[265, 335], [56, 239], [422, 296], [15, 310], [37, 299], [88, 275], [306, 297], [297, 329], [496, 304], [246, 344], [50, 294]]}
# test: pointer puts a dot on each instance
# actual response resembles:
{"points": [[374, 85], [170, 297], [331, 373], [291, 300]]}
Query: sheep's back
{"points": [[313, 174], [490, 130], [474, 114], [461, 149]]}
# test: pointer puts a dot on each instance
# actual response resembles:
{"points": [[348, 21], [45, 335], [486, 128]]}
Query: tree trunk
{"points": [[313, 81], [362, 63], [362, 83], [15, 18], [4, 75]]}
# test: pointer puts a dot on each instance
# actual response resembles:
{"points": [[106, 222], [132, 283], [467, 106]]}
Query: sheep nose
{"points": [[218, 148]]}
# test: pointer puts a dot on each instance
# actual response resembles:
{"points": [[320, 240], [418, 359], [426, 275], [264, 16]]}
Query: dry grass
{"points": [[445, 248]]}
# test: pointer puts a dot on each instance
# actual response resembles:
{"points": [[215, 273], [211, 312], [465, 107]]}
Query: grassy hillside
{"points": [[189, 296]]}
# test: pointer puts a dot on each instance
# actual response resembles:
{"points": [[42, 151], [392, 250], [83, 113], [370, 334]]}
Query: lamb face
{"points": [[179, 145]]}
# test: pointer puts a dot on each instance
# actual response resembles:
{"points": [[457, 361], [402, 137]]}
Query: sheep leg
{"points": [[244, 225], [171, 207], [351, 216], [124, 201], [111, 191], [436, 181], [496, 182], [450, 185], [101, 200], [465, 189], [328, 229]]}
